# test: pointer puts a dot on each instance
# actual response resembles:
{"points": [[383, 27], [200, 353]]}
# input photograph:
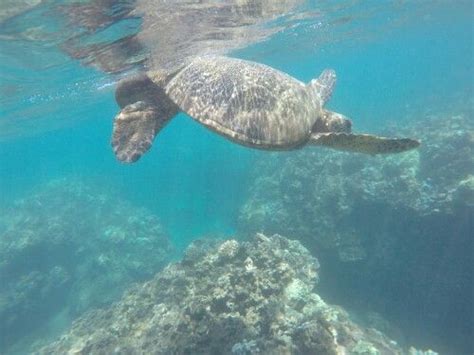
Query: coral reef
{"points": [[398, 225], [316, 194], [71, 246], [253, 297]]}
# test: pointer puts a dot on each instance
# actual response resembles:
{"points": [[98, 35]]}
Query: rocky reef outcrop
{"points": [[253, 297], [394, 232], [68, 247]]}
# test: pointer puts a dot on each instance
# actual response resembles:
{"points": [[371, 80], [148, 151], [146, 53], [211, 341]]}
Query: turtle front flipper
{"points": [[323, 86], [363, 143]]}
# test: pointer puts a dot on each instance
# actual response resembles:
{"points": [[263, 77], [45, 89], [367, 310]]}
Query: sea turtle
{"points": [[249, 103]]}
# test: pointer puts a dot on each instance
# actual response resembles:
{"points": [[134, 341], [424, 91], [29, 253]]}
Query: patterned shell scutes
{"points": [[248, 102]]}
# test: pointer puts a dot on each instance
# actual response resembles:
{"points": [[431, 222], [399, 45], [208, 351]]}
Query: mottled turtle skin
{"points": [[249, 103]]}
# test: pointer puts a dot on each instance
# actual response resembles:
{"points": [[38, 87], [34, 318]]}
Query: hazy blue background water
{"points": [[196, 181]]}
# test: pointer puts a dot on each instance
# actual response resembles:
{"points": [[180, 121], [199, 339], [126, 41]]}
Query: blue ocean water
{"points": [[390, 67], [425, 60]]}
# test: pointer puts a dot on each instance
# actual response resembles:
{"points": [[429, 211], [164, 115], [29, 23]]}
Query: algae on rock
{"points": [[68, 247], [254, 297], [401, 223]]}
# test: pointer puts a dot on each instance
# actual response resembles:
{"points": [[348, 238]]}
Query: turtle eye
{"points": [[339, 123], [347, 126]]}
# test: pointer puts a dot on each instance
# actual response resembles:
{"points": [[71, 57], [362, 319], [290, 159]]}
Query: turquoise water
{"points": [[392, 67]]}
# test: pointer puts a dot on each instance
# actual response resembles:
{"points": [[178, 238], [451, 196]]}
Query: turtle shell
{"points": [[247, 102]]}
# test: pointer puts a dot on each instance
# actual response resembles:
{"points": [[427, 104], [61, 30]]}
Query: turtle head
{"points": [[337, 122], [321, 88], [332, 122]]}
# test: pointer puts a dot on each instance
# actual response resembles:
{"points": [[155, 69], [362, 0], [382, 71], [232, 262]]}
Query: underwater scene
{"points": [[237, 177]]}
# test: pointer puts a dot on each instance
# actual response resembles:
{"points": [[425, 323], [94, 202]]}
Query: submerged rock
{"points": [[399, 226], [69, 247], [319, 194], [254, 297]]}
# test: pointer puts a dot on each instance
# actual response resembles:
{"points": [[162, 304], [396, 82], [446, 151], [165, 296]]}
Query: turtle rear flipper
{"points": [[135, 127], [146, 109], [136, 88], [363, 143]]}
